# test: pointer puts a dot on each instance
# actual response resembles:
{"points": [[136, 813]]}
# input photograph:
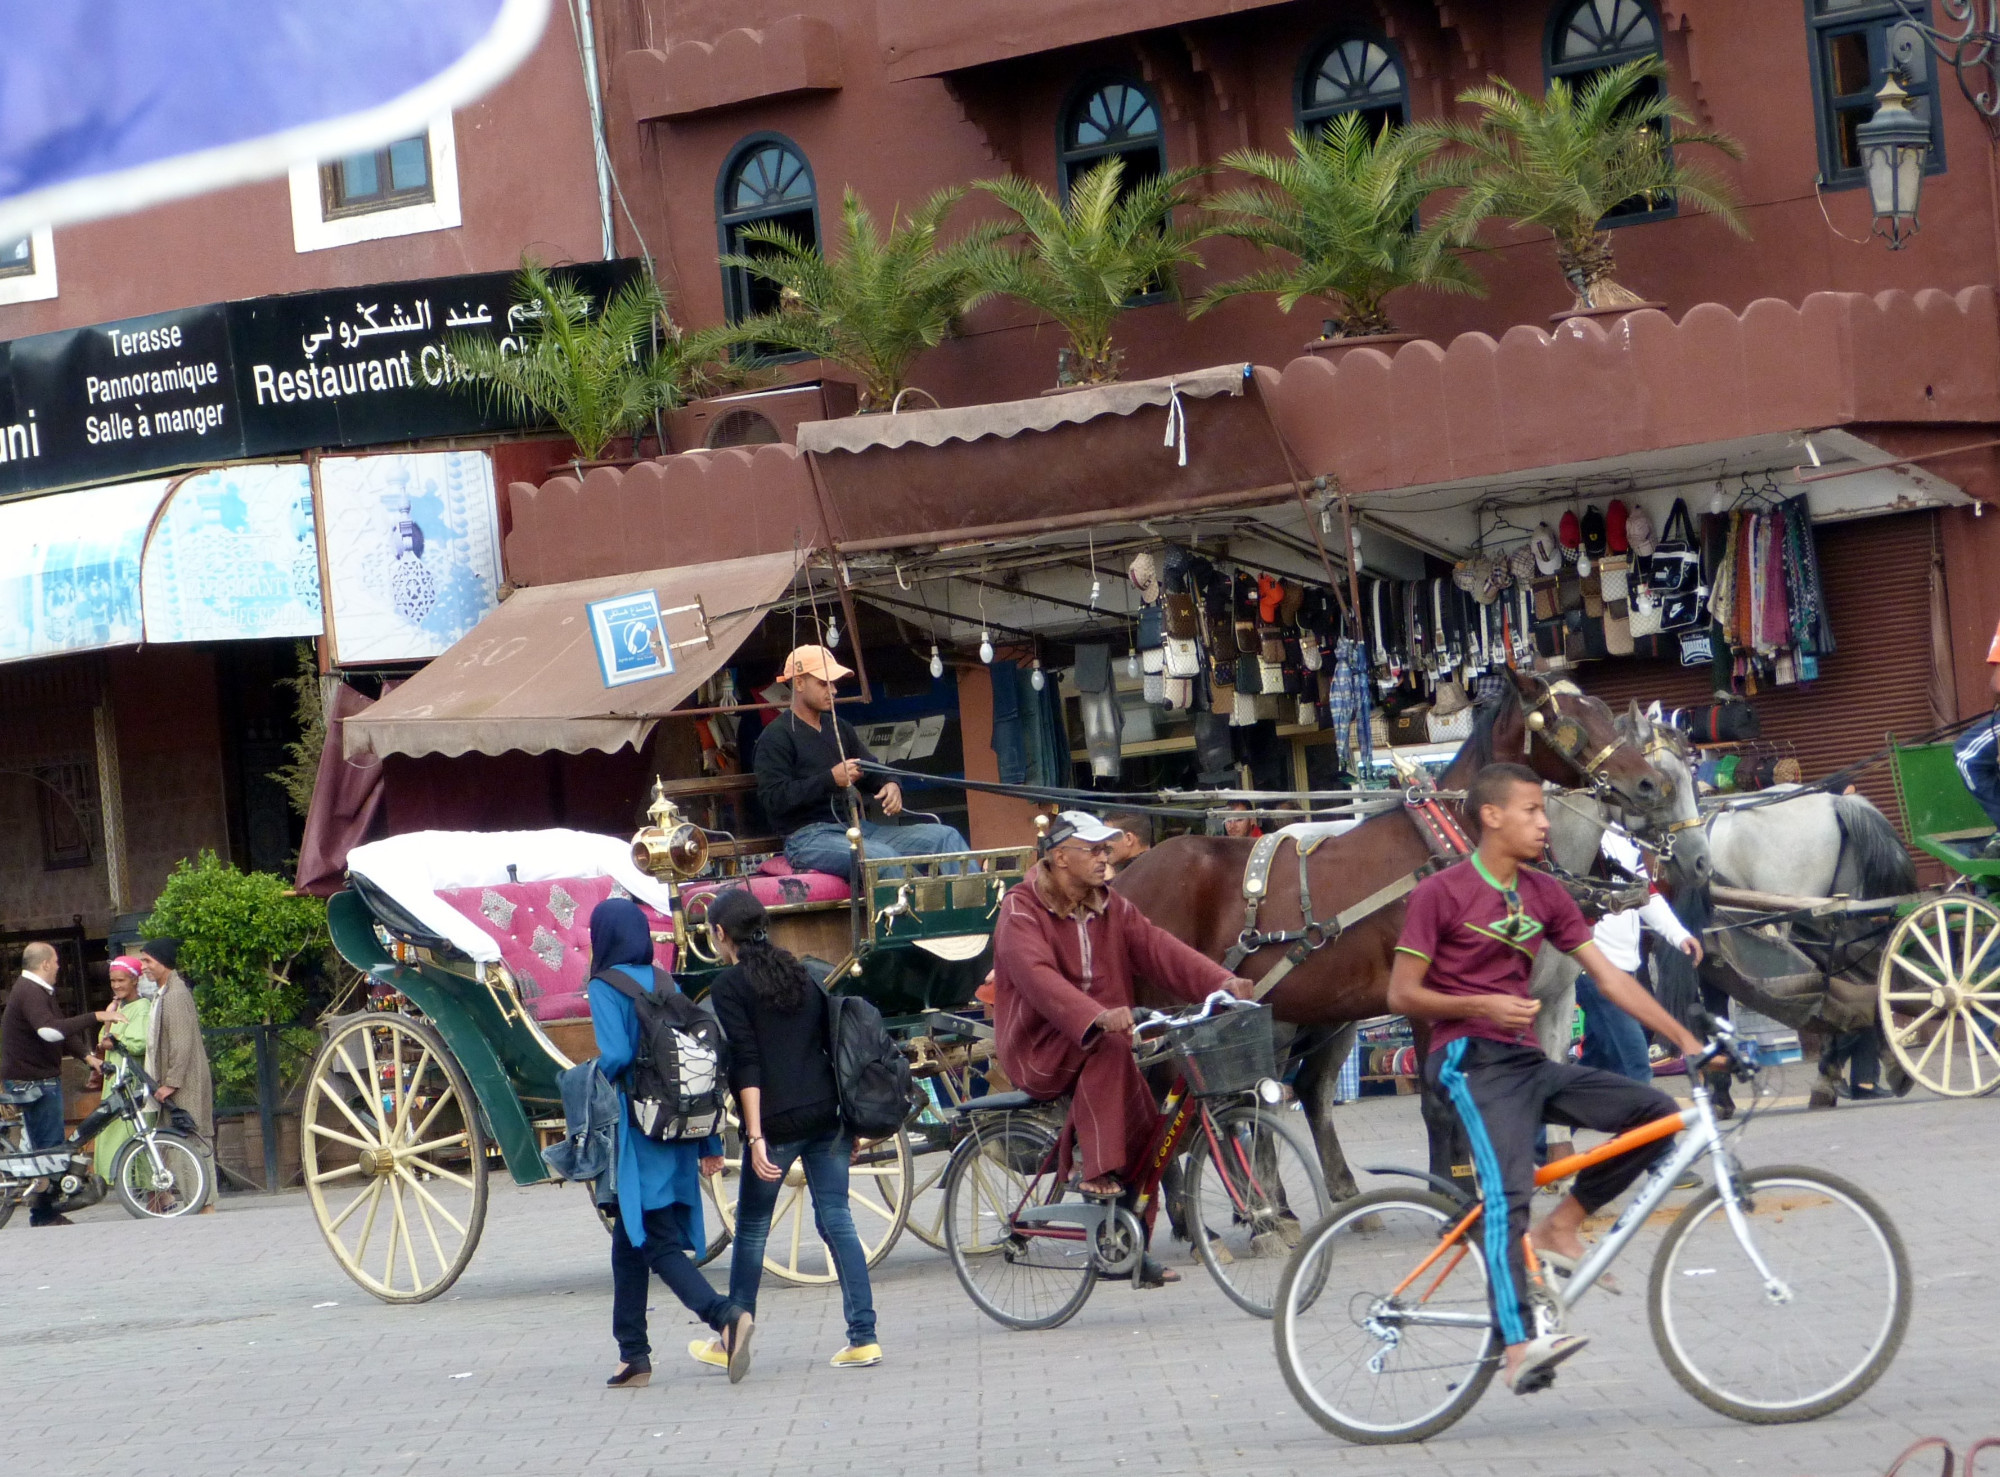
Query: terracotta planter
{"points": [[1606, 316], [1337, 349]]}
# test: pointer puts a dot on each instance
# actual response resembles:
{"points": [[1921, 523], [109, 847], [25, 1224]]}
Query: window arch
{"points": [[765, 182], [1352, 74], [1112, 118], [1591, 36]]}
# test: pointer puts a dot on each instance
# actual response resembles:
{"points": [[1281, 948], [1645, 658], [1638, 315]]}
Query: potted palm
{"points": [[877, 304], [1566, 162], [1343, 206], [1085, 259], [596, 374]]}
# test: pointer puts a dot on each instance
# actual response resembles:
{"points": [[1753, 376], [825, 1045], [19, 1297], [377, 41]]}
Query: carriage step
{"points": [[997, 1102]]}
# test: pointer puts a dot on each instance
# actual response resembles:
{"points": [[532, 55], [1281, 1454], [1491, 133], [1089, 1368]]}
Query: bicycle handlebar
{"points": [[1147, 1024], [1741, 1056]]}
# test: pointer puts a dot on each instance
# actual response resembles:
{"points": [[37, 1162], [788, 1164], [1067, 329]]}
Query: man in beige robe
{"points": [[176, 1059]]}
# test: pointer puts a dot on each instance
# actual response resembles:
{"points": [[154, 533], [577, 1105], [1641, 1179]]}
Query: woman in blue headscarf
{"points": [[659, 1185]]}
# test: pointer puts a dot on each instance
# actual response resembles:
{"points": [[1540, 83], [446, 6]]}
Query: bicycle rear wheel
{"points": [[173, 1184], [1253, 1186], [1767, 1356], [1348, 1355], [1024, 1281]]}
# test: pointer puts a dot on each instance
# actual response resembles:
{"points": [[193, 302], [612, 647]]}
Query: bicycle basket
{"points": [[1228, 1053]]}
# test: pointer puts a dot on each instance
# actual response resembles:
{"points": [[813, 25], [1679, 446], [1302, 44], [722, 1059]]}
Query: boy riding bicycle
{"points": [[1468, 947]]}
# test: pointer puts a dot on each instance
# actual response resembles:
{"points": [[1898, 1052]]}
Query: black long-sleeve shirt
{"points": [[24, 1055], [795, 769], [783, 1054]]}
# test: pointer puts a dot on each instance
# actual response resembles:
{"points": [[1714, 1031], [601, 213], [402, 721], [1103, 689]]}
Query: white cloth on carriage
{"points": [[414, 868]]}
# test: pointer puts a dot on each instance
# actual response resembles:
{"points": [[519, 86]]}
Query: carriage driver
{"points": [[808, 756], [1469, 942], [1066, 949]]}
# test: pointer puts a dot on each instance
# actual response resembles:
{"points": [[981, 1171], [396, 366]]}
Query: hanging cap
{"points": [[1569, 531], [1145, 576], [813, 661], [1593, 531], [1548, 556], [1639, 532], [1615, 518]]}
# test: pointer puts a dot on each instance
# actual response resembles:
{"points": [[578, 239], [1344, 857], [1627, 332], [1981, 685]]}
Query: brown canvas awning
{"points": [[527, 679]]}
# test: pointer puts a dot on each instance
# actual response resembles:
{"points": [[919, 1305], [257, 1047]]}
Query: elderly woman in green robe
{"points": [[126, 1037]]}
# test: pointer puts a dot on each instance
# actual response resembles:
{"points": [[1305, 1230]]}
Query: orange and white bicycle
{"points": [[1778, 1294]]}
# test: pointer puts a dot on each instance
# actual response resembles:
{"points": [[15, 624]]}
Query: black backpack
{"points": [[870, 1072], [679, 1078]]}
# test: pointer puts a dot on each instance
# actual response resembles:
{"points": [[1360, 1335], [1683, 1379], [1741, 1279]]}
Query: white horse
{"points": [[1810, 845]]}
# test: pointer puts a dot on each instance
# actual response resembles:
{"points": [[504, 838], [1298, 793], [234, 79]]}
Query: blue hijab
{"points": [[619, 935]]}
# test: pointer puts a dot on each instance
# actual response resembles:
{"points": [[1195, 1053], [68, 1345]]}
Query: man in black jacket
{"points": [[808, 757], [34, 1039]]}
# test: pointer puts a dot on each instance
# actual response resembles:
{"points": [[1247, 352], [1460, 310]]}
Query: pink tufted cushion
{"points": [[543, 930], [776, 866], [776, 891]]}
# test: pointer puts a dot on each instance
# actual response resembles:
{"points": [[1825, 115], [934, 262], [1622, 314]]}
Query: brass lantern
{"points": [[672, 848], [1894, 145]]}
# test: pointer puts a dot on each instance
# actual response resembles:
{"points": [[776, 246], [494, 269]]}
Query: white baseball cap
{"points": [[1080, 825]]}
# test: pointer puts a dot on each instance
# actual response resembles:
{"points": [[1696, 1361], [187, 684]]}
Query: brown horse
{"points": [[1193, 887]]}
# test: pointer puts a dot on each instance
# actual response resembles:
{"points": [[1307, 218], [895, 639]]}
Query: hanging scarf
{"points": [[1777, 623]]}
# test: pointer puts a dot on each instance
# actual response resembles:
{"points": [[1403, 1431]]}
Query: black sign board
{"points": [[269, 376]]}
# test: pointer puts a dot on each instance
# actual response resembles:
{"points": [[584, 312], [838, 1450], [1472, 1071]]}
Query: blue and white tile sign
{"points": [[631, 638]]}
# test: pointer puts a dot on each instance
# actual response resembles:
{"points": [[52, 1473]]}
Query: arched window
{"points": [[1591, 36], [1353, 75], [1113, 119], [766, 182]]}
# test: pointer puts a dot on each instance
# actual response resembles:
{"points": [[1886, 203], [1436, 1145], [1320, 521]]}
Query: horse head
{"points": [[1572, 739], [1674, 822]]}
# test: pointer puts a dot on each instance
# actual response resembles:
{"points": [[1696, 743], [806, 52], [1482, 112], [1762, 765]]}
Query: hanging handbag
{"points": [[1180, 613], [1681, 610], [1645, 611], [1614, 577], [1697, 648], [1675, 564]]}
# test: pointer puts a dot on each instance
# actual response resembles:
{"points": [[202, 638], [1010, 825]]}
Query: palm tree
{"points": [[878, 304], [596, 376], [1344, 207], [1566, 162], [1086, 258]]}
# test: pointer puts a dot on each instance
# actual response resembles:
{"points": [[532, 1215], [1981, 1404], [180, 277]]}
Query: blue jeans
{"points": [[822, 846], [825, 1160], [666, 1251], [1612, 1040], [43, 1119]]}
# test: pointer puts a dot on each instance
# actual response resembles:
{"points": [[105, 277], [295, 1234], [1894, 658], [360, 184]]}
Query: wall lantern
{"points": [[1894, 145]]}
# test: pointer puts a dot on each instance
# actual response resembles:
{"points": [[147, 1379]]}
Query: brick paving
{"points": [[196, 1347]]}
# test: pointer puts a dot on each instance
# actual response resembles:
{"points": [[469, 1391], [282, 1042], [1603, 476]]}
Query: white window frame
{"points": [[312, 231], [40, 284]]}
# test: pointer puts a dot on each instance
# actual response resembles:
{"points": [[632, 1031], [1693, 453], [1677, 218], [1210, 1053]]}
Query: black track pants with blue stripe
{"points": [[1502, 1094]]}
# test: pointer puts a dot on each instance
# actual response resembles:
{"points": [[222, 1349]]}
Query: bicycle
{"points": [[1803, 1321], [1029, 1247]]}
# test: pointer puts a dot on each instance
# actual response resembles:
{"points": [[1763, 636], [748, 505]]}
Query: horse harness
{"points": [[1564, 734]]}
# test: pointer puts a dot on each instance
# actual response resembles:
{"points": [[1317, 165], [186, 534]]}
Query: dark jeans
{"points": [[43, 1119], [825, 1160], [1612, 1040], [669, 1239]]}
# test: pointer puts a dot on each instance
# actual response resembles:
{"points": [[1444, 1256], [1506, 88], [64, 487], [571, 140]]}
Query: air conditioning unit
{"points": [[758, 417]]}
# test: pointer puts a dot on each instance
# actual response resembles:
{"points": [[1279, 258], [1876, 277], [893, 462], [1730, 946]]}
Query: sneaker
{"points": [[738, 1361], [709, 1352], [857, 1356], [1537, 1369]]}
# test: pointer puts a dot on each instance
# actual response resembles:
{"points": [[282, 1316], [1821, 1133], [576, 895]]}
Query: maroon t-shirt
{"points": [[1458, 922]]}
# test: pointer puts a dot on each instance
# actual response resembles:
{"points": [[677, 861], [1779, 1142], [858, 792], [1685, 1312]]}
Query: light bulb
{"points": [[937, 662], [1132, 662], [1096, 589], [832, 634], [1035, 678], [986, 647], [1583, 566]]}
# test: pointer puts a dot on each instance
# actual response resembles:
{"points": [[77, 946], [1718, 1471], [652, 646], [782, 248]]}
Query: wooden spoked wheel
{"points": [[1940, 995], [878, 1191], [394, 1157]]}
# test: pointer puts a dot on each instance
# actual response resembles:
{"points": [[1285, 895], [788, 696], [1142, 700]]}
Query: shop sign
{"points": [[349, 367], [631, 641]]}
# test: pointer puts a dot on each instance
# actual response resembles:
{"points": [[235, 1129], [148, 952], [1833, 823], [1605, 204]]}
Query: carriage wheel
{"points": [[394, 1156], [1940, 995], [878, 1191]]}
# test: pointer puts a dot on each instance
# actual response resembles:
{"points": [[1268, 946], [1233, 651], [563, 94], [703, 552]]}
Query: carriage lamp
{"points": [[1894, 145], [671, 847]]}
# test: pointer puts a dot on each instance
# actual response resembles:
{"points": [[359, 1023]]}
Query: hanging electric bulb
{"points": [[986, 647], [937, 662], [1096, 589], [1035, 678], [1583, 566], [1132, 662], [832, 633]]}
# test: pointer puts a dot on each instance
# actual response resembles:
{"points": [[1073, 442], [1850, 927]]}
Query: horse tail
{"points": [[1873, 861]]}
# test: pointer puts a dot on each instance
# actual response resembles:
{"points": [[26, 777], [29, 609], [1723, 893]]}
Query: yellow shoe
{"points": [[857, 1356], [709, 1352]]}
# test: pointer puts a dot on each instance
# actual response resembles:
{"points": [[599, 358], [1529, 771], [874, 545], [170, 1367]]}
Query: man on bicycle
{"points": [[1468, 946], [1066, 950]]}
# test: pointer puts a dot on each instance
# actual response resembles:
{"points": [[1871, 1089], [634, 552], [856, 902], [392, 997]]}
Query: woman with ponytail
{"points": [[775, 1016]]}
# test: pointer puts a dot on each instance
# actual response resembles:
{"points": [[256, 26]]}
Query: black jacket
{"points": [[780, 1053], [24, 1055], [795, 770]]}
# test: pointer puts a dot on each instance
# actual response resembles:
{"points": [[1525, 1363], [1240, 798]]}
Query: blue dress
{"points": [[650, 1175]]}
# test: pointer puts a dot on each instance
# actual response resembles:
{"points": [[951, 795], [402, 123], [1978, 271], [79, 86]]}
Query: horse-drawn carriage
{"points": [[476, 947]]}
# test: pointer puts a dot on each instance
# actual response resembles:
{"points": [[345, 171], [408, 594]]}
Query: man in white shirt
{"points": [[1611, 1038]]}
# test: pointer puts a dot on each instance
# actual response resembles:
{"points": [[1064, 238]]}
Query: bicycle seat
{"points": [[997, 1102], [22, 1096]]}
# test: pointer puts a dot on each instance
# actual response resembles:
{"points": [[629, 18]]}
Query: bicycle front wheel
{"points": [[1253, 1186], [1810, 1339], [1022, 1277], [160, 1176], [1346, 1340]]}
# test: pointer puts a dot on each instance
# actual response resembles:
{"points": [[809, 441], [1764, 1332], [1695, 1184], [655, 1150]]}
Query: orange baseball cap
{"points": [[813, 661]]}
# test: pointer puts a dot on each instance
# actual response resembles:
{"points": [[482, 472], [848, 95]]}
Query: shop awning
{"points": [[527, 677]]}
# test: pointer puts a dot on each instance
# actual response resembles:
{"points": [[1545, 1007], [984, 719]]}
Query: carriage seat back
{"points": [[776, 885], [543, 930]]}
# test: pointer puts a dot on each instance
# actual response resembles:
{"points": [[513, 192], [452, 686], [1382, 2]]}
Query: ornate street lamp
{"points": [[1894, 144]]}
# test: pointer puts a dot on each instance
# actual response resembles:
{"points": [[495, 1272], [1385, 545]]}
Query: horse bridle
{"points": [[1564, 734], [1655, 747]]}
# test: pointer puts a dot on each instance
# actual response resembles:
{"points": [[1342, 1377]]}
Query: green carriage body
{"points": [[1942, 818]]}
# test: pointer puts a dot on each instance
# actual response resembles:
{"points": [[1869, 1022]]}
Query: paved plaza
{"points": [[233, 1344]]}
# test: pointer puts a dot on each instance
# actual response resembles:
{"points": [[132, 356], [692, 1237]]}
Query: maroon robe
{"points": [[1055, 972]]}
